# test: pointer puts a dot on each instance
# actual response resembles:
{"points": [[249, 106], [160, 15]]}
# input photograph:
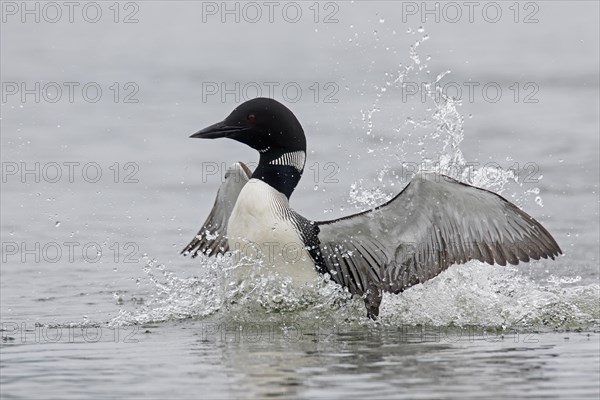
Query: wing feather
{"points": [[434, 222], [212, 237]]}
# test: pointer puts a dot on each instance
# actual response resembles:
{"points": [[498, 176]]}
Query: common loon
{"points": [[434, 222]]}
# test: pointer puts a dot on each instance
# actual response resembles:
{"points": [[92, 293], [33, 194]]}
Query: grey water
{"points": [[101, 189]]}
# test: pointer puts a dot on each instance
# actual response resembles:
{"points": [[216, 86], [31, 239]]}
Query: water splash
{"points": [[433, 131], [175, 297], [494, 296], [362, 198], [473, 294], [468, 295], [213, 292]]}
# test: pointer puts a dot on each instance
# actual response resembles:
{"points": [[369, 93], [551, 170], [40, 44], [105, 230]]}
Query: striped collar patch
{"points": [[294, 159]]}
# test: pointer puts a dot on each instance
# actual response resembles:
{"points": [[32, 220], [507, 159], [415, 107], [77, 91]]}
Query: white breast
{"points": [[264, 239]]}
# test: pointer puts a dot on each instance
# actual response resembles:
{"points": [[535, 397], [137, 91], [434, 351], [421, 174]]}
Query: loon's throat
{"points": [[281, 170]]}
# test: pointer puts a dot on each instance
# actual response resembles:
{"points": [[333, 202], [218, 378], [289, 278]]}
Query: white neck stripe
{"points": [[294, 159]]}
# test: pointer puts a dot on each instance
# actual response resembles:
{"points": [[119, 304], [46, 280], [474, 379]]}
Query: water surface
{"points": [[96, 301]]}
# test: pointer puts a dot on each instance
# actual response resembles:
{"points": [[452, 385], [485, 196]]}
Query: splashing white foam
{"points": [[484, 295], [212, 292], [473, 294]]}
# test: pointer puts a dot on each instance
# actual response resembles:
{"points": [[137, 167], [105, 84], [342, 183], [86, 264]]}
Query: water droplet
{"points": [[381, 20], [538, 201], [316, 187]]}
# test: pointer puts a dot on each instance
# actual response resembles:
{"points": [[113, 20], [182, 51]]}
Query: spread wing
{"points": [[434, 222], [211, 239]]}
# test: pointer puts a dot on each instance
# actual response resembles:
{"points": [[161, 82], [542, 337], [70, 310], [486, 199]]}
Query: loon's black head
{"points": [[271, 128], [263, 124]]}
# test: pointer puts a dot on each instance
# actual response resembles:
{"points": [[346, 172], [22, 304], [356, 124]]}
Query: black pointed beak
{"points": [[218, 130]]}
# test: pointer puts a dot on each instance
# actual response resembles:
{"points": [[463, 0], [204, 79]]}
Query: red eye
{"points": [[251, 117]]}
